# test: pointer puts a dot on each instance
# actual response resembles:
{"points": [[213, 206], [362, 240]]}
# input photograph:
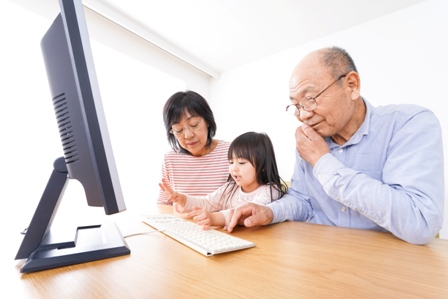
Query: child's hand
{"points": [[173, 196], [166, 188], [201, 217]]}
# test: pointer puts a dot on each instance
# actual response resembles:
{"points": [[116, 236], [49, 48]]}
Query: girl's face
{"points": [[243, 172]]}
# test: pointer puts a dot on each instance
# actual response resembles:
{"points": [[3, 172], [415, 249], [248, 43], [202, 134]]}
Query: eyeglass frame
{"points": [[308, 98], [190, 128]]}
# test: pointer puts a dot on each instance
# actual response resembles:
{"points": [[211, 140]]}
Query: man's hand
{"points": [[249, 215], [310, 145]]}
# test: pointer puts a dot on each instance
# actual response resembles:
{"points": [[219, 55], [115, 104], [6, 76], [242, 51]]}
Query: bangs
{"points": [[241, 149], [181, 110]]}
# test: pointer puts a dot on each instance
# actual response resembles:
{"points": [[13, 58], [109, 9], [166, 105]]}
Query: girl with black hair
{"points": [[253, 177]]}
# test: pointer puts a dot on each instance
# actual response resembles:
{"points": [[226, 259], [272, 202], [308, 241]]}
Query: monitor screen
{"points": [[87, 151]]}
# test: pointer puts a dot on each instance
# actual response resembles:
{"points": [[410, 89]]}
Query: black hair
{"points": [[257, 148], [177, 106], [338, 61]]}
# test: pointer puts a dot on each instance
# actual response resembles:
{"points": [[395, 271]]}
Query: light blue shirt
{"points": [[389, 177]]}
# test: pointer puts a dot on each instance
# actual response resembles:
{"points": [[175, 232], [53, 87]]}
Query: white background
{"points": [[401, 58]]}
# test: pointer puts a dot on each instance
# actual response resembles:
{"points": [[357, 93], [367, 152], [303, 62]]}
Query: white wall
{"points": [[135, 79], [114, 36], [401, 58]]}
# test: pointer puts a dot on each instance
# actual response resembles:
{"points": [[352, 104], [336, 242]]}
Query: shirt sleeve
{"points": [[210, 202], [294, 205], [263, 197], [408, 200]]}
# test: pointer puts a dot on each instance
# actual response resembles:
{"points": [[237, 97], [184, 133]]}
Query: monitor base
{"points": [[90, 243]]}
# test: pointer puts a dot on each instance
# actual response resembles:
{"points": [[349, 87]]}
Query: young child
{"points": [[253, 177]]}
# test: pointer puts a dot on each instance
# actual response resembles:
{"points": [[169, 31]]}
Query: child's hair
{"points": [[257, 148]]}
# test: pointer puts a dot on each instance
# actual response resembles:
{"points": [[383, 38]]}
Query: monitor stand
{"points": [[44, 249], [89, 243]]}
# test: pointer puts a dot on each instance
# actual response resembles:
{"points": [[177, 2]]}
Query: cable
{"points": [[142, 233]]}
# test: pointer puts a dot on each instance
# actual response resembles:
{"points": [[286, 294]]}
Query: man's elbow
{"points": [[424, 235]]}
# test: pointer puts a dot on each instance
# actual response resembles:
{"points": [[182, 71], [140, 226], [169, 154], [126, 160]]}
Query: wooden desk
{"points": [[290, 260]]}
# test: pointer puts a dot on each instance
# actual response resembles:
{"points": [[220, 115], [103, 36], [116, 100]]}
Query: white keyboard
{"points": [[208, 242]]}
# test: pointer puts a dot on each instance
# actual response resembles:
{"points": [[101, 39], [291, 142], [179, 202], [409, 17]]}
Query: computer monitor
{"points": [[87, 150]]}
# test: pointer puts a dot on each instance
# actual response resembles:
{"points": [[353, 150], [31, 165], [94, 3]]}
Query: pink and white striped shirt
{"points": [[196, 176]]}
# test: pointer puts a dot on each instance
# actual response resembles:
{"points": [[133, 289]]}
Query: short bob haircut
{"points": [[177, 106]]}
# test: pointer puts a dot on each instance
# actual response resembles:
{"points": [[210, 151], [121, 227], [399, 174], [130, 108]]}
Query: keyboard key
{"points": [[208, 242]]}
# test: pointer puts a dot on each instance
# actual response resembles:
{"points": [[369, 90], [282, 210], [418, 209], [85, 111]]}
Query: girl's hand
{"points": [[201, 217], [173, 196]]}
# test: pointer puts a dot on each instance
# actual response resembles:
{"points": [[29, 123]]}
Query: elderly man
{"points": [[357, 166]]}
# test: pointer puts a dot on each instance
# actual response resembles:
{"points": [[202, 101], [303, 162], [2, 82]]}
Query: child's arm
{"points": [[207, 219], [178, 199]]}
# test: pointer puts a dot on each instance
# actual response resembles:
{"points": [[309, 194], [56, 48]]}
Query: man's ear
{"points": [[354, 85]]}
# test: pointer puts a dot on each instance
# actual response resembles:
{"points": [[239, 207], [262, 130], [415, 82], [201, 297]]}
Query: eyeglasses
{"points": [[309, 103], [179, 131]]}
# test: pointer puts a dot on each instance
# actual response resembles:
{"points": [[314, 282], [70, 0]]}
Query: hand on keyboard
{"points": [[207, 219], [207, 242]]}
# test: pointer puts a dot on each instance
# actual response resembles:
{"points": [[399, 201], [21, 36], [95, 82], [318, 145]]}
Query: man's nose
{"points": [[304, 114]]}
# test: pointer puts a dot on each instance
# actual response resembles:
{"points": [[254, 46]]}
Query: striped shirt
{"points": [[196, 176]]}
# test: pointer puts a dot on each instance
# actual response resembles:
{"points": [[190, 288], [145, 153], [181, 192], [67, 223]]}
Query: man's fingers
{"points": [[234, 216]]}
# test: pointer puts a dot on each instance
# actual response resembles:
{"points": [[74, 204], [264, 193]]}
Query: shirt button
{"points": [[343, 209], [340, 150]]}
